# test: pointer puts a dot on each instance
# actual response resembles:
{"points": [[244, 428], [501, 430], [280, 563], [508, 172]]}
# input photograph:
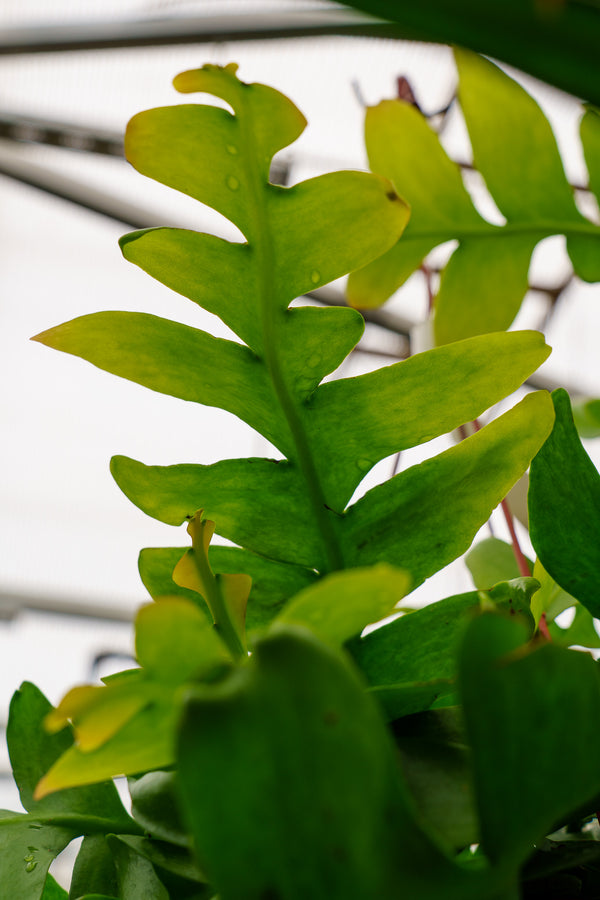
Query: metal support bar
{"points": [[136, 217], [13, 603], [154, 32]]}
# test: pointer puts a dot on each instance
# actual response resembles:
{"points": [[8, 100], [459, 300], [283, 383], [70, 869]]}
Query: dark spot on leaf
{"points": [[392, 195]]}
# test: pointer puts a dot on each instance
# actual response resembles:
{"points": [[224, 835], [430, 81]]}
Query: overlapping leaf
{"points": [[29, 842], [128, 725], [292, 790], [484, 282], [532, 714], [293, 511], [557, 43], [564, 509]]}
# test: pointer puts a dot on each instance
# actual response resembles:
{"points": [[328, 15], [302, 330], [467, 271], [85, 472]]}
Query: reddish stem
{"points": [[520, 558], [543, 630], [430, 295]]}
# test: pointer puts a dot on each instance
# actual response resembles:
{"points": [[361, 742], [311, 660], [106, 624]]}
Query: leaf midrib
{"points": [[265, 257]]}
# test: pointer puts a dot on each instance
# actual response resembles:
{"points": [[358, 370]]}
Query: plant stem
{"points": [[222, 620], [519, 556], [522, 563]]}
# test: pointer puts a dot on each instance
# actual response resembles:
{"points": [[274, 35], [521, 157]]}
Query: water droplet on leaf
{"points": [[232, 183], [232, 149], [315, 276], [30, 866]]}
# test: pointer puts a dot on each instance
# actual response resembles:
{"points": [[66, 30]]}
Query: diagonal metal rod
{"points": [[136, 217], [154, 32]]}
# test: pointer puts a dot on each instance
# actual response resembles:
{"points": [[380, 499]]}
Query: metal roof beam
{"points": [[154, 32]]}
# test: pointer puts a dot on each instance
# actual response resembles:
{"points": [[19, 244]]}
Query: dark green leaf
{"points": [[165, 855], [564, 509], [519, 701], [53, 890], [155, 805], [555, 43], [421, 647], [136, 876], [33, 751], [436, 764], [398, 700], [296, 716], [417, 647], [428, 515], [94, 869], [590, 138], [27, 847]]}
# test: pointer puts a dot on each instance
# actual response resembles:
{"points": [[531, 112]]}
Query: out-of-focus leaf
{"points": [[482, 286], [515, 151], [340, 605], [372, 285], [580, 633], [410, 402], [273, 583], [127, 726], [174, 641], [94, 869], [555, 43], [421, 648], [33, 751], [590, 138], [399, 700], [491, 561], [513, 145], [436, 763], [586, 414], [164, 855], [428, 515], [144, 743], [564, 509], [299, 714], [418, 647], [550, 599], [506, 688], [156, 806], [29, 843], [136, 876]]}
